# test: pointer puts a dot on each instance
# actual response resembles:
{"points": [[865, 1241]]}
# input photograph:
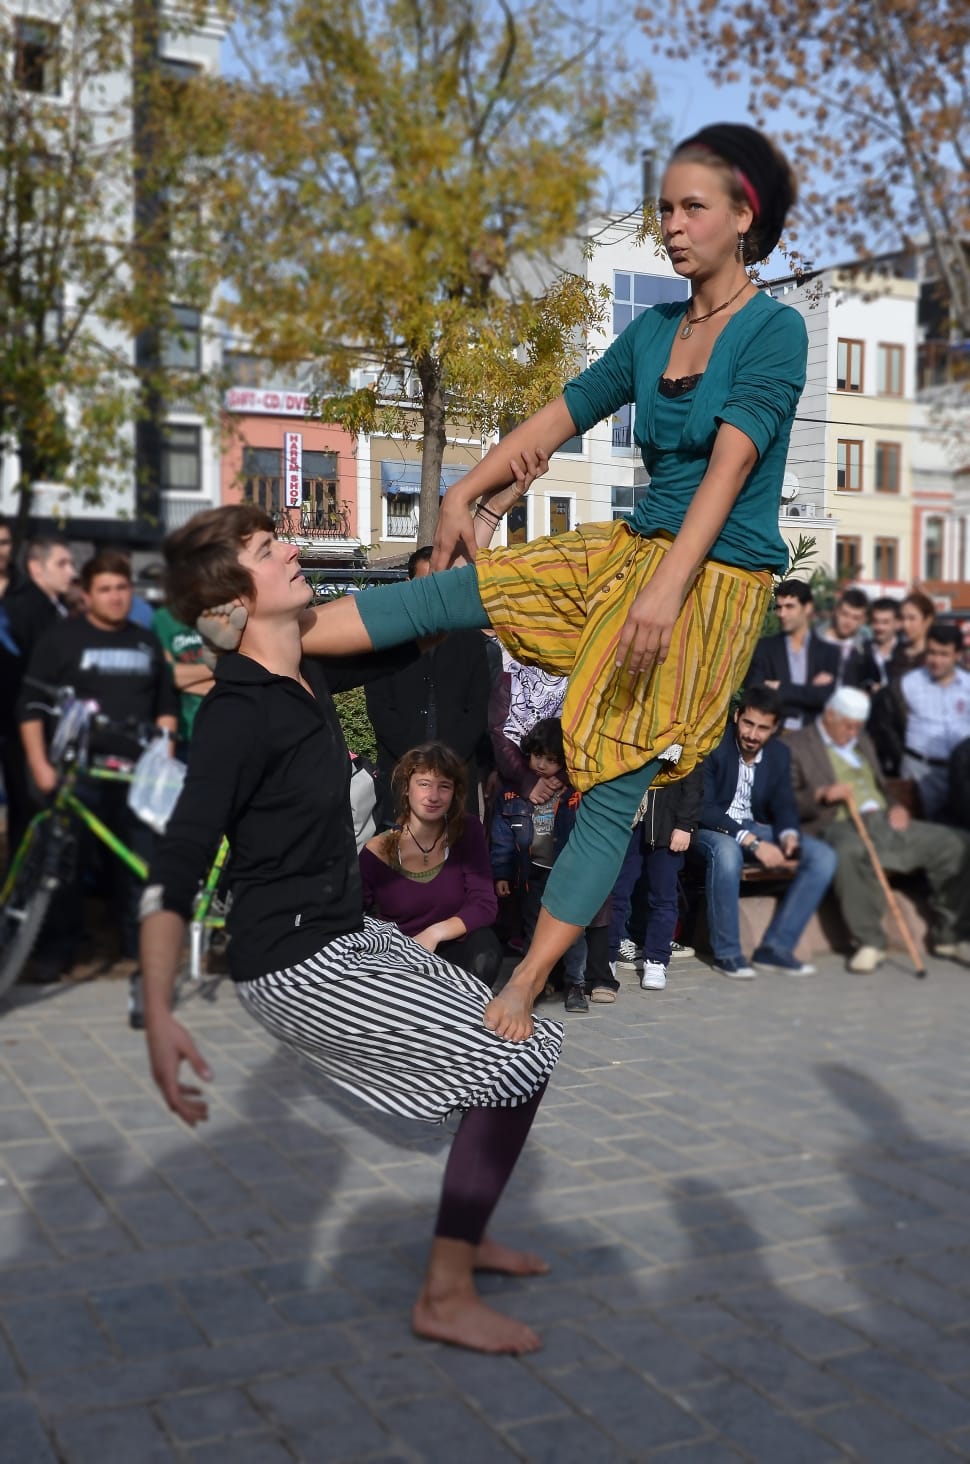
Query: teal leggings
{"points": [[586, 870]]}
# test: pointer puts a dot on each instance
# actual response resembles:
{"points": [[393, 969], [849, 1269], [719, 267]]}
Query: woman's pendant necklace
{"points": [[430, 849], [688, 327]]}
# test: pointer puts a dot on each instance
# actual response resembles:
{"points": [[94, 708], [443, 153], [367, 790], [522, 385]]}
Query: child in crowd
{"points": [[526, 840], [654, 858]]}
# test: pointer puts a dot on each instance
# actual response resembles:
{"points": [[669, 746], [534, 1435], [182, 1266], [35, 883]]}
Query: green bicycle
{"points": [[46, 859]]}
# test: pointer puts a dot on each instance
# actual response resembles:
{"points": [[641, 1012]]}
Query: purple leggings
{"points": [[483, 1155]]}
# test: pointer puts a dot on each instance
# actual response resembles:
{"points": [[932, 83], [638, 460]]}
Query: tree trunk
{"points": [[432, 456]]}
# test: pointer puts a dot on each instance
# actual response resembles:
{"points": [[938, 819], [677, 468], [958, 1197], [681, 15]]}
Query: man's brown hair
{"points": [[106, 561], [202, 566]]}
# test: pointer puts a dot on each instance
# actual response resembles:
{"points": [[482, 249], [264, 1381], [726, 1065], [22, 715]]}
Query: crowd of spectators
{"points": [[868, 713]]}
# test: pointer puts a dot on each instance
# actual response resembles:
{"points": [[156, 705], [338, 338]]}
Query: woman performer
{"points": [[375, 1011], [654, 621]]}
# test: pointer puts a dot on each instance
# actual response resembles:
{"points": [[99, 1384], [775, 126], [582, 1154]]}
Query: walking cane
{"points": [[887, 889]]}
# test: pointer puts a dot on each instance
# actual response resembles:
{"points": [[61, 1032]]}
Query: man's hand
{"points": [[770, 856], [898, 818], [502, 888], [44, 775], [649, 626], [679, 841], [545, 788], [834, 793], [823, 678], [772, 685], [790, 845], [168, 1045]]}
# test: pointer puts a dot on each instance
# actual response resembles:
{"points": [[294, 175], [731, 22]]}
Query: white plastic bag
{"points": [[156, 784]]}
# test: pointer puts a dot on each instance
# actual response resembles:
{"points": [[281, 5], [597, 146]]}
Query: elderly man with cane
{"points": [[835, 769]]}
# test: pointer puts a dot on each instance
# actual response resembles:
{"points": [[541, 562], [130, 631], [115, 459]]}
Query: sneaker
{"points": [[737, 970], [653, 976], [575, 1000], [629, 953], [680, 952], [786, 964], [958, 950], [866, 959]]}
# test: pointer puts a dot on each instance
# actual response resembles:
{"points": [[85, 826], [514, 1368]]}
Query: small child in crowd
{"points": [[653, 862], [526, 839]]}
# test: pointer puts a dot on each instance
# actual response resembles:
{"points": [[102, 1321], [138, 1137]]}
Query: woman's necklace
{"points": [[689, 323], [430, 849]]}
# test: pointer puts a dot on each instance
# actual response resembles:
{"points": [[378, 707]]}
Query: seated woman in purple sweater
{"points": [[431, 874]]}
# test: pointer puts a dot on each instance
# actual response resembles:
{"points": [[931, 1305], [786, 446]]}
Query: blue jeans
{"points": [[724, 859]]}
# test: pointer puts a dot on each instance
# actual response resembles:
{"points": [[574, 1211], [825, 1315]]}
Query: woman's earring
{"points": [[741, 247]]}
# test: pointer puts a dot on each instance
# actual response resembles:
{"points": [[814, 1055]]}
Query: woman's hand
{"points": [[430, 938], [646, 634], [168, 1045]]}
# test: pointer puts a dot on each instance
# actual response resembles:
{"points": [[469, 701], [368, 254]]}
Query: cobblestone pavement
{"points": [[756, 1197]]}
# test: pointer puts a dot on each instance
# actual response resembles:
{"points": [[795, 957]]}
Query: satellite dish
{"points": [[789, 487]]}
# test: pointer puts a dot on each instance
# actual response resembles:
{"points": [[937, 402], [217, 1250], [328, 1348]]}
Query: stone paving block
{"points": [[66, 1205], [160, 1219], [249, 1449], [226, 1306], [433, 1433], [794, 1384], [193, 1418], [20, 1124], [501, 1388], [50, 1334], [22, 1439], [629, 1409], [398, 1377], [22, 1241], [564, 1441], [873, 1434], [929, 1404], [89, 1136], [779, 1316], [115, 1436], [317, 1407], [647, 1347], [142, 1320], [764, 1432]]}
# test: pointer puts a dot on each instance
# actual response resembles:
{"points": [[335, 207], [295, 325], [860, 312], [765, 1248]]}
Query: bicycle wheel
{"points": [[25, 908]]}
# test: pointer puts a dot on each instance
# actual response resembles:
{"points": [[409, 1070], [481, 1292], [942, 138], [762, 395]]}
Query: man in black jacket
{"points": [[750, 815], [32, 607], [796, 662], [442, 696]]}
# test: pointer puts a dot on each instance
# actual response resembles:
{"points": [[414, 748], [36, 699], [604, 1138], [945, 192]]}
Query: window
{"points": [[517, 530], [933, 549], [402, 516], [559, 515], [849, 466], [886, 564], [635, 293], [37, 57], [888, 460], [262, 467], [623, 501], [848, 371], [889, 370], [319, 507], [572, 444], [181, 459], [180, 342], [848, 557], [623, 428]]}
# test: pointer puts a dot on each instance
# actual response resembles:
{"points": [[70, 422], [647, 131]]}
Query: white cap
{"points": [[849, 702]]}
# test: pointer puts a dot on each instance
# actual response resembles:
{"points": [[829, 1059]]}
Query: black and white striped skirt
{"points": [[399, 1027]]}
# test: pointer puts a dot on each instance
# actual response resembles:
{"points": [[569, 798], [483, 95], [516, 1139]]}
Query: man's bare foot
{"points": [[510, 1013], [491, 1256], [463, 1319]]}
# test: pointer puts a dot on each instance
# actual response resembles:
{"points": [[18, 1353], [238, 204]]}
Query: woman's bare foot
{"points": [[510, 1013], [491, 1256], [464, 1320]]}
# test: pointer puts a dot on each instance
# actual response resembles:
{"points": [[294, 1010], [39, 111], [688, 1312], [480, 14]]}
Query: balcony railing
{"points": [[322, 525], [621, 436], [402, 526], [178, 508]]}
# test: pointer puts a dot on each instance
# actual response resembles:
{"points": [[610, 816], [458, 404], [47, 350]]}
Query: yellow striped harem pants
{"points": [[560, 603]]}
